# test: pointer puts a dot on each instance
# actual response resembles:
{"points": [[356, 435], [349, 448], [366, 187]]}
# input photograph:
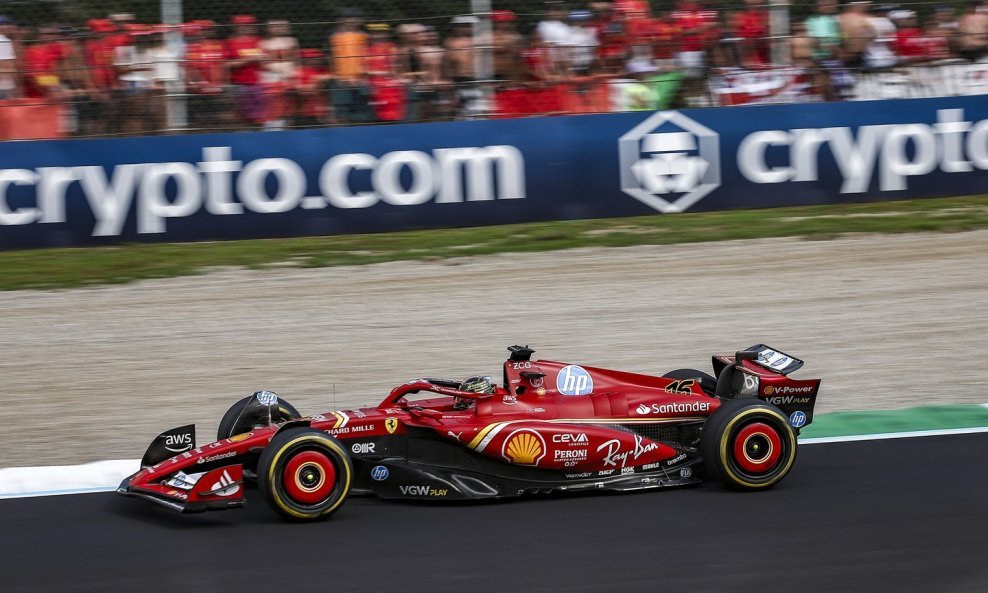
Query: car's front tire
{"points": [[748, 444], [304, 474]]}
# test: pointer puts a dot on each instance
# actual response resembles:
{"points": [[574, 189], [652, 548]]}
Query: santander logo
{"points": [[643, 409]]}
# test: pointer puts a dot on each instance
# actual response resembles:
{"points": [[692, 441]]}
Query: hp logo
{"points": [[380, 473], [797, 419], [574, 380], [266, 398]]}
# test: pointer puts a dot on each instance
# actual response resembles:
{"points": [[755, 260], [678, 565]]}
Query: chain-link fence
{"points": [[114, 67]]}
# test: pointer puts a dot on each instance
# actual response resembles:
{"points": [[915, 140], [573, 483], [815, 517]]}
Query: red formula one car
{"points": [[549, 427]]}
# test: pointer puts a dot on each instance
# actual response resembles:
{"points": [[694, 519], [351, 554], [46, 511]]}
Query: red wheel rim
{"points": [[757, 448], [309, 477]]}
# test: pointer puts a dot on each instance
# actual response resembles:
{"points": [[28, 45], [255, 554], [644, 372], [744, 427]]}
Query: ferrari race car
{"points": [[548, 427]]}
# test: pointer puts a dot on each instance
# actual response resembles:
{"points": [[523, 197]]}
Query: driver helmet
{"points": [[476, 384]]}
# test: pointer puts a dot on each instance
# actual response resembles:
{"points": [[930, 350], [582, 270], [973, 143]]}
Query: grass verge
{"points": [[66, 268]]}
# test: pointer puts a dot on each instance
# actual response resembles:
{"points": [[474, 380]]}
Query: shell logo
{"points": [[769, 389], [524, 447]]}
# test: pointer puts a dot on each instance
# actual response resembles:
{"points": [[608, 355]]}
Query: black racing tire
{"points": [[304, 474], [236, 421], [707, 381], [748, 444]]}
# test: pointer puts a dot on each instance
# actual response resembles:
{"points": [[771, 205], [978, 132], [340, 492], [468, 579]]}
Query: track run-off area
{"points": [[900, 515], [887, 321]]}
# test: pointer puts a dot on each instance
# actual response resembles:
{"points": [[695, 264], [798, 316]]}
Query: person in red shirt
{"points": [[206, 76], [698, 31], [310, 87], [43, 66], [244, 59], [612, 37], [665, 36], [911, 43], [387, 87], [99, 53], [753, 29]]}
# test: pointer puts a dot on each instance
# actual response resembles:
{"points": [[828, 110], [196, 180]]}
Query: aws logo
{"points": [[524, 447], [177, 443]]}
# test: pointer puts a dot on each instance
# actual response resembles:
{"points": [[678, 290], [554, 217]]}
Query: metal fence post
{"points": [[779, 29], [175, 106], [483, 64]]}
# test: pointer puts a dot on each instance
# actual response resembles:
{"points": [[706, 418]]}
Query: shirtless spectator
{"points": [[824, 28], [802, 47], [349, 91], [460, 50], [507, 44], [972, 41], [244, 60], [206, 76], [459, 57], [857, 32], [437, 98]]}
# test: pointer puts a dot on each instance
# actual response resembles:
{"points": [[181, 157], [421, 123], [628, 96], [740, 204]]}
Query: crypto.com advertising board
{"points": [[384, 178]]}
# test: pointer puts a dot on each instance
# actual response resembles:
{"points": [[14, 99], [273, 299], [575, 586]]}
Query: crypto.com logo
{"points": [[673, 169]]}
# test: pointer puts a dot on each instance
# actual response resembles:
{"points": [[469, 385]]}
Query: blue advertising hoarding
{"points": [[384, 178]]}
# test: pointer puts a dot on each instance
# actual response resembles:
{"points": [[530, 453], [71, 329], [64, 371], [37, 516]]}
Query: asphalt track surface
{"points": [[897, 515]]}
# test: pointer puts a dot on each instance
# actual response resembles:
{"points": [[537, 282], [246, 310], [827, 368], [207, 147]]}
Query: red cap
{"points": [[311, 53], [101, 26], [244, 19], [503, 16]]}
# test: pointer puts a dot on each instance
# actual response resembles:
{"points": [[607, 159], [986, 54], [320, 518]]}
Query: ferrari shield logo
{"points": [[391, 424]]}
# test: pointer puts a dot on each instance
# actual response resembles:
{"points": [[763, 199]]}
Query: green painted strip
{"points": [[905, 420]]}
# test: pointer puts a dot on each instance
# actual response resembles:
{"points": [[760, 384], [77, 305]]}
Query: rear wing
{"points": [[764, 356], [774, 360]]}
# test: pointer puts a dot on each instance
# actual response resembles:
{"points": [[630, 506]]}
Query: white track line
{"points": [[893, 435], [105, 476]]}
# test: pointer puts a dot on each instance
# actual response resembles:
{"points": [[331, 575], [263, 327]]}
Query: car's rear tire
{"points": [[748, 444], [707, 381], [304, 474], [239, 419]]}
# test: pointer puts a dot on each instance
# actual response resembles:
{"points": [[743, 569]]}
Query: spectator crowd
{"points": [[119, 76]]}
